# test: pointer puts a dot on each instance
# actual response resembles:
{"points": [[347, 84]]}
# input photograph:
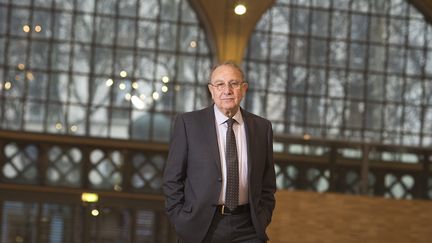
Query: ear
{"points": [[245, 87], [210, 89]]}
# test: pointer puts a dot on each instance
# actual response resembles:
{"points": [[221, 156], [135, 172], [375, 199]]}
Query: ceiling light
{"points": [[240, 9], [89, 197], [109, 82], [165, 79], [193, 44], [122, 86], [95, 212], [155, 95], [38, 28], [26, 28], [164, 89]]}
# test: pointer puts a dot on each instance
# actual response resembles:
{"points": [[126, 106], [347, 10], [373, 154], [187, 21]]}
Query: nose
{"points": [[227, 89]]}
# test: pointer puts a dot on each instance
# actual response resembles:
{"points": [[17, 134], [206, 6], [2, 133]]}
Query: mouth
{"points": [[227, 100]]}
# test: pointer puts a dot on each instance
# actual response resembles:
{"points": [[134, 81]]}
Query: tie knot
{"points": [[230, 121]]}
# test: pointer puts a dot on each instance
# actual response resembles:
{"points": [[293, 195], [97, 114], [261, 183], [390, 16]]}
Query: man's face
{"points": [[231, 89]]}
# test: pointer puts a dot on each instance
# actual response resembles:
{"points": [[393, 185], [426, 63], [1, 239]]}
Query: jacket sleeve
{"points": [[267, 203], [175, 170]]}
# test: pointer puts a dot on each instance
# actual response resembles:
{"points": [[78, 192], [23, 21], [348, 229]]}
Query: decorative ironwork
{"points": [[148, 172], [286, 176], [20, 163], [399, 186], [355, 168], [127, 166], [105, 171], [64, 166]]}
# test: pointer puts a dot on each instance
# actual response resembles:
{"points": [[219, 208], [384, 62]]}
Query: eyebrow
{"points": [[230, 81]]}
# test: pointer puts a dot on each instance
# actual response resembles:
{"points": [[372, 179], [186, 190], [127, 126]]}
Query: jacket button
{"points": [[219, 179]]}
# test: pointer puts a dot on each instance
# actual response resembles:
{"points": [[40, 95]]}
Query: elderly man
{"points": [[219, 179]]}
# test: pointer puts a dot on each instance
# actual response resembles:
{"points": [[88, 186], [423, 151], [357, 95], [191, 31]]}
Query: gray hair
{"points": [[231, 64]]}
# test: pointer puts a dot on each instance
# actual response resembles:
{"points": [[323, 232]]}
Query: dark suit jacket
{"points": [[193, 177]]}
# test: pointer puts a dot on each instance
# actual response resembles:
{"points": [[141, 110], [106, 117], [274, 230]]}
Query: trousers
{"points": [[237, 228]]}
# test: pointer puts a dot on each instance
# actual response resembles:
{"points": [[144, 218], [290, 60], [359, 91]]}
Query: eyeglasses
{"points": [[223, 86]]}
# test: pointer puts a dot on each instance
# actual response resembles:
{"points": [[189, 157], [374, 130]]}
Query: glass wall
{"points": [[66, 223], [358, 70], [117, 69]]}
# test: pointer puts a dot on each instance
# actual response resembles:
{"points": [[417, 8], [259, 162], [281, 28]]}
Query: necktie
{"points": [[232, 187]]}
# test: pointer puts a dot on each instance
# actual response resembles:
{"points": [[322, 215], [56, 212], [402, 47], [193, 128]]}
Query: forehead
{"points": [[226, 73]]}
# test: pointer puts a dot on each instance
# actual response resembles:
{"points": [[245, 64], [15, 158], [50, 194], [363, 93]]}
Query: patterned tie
{"points": [[232, 187]]}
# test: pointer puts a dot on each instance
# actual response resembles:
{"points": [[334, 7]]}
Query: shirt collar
{"points": [[221, 117]]}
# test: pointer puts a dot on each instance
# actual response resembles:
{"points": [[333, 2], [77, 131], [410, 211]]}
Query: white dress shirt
{"points": [[240, 134]]}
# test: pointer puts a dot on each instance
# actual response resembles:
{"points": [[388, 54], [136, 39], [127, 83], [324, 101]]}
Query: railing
{"points": [[136, 167], [400, 172], [42, 170]]}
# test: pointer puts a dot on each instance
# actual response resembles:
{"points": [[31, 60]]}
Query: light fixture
{"points": [[21, 66], [89, 197], [123, 74], [95, 212], [164, 88], [155, 95], [7, 85], [109, 82], [38, 28], [58, 126], [122, 86], [74, 128], [128, 96], [19, 239], [165, 79], [26, 28], [29, 76], [240, 9]]}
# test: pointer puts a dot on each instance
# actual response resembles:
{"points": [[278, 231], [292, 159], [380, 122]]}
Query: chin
{"points": [[231, 109], [229, 104]]}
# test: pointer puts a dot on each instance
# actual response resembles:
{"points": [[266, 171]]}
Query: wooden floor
{"points": [[306, 217]]}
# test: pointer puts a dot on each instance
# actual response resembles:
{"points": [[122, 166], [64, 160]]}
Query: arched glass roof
{"points": [[118, 69], [357, 70]]}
